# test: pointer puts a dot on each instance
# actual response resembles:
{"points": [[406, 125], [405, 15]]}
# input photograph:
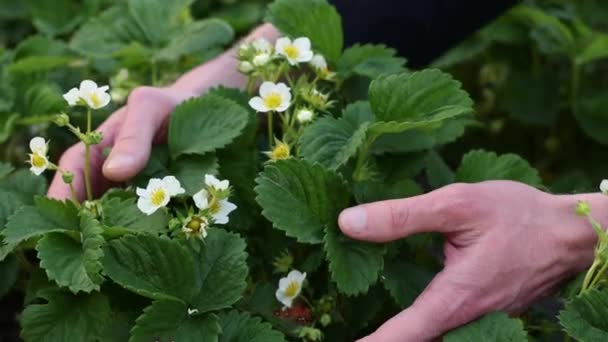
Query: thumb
{"points": [[441, 307], [394, 219], [147, 110]]}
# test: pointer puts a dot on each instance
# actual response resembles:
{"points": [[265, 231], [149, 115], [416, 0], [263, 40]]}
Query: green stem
{"points": [[589, 276], [87, 160], [361, 158], [270, 130], [599, 275]]}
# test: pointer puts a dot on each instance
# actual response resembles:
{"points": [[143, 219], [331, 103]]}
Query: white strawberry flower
{"points": [[305, 115], [219, 209], [94, 96], [158, 193], [273, 97], [38, 159], [290, 287], [245, 67], [604, 186], [295, 52]]}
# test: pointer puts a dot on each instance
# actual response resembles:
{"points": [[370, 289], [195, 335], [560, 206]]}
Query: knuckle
{"points": [[399, 214], [145, 93]]}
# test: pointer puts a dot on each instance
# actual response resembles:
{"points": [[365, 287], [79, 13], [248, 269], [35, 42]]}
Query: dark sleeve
{"points": [[421, 30]]}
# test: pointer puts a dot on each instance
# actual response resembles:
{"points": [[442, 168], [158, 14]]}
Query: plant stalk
{"points": [[87, 160]]}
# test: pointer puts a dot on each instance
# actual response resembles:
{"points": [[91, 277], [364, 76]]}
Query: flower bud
{"points": [[67, 177], [325, 320], [310, 334], [261, 59], [305, 115], [583, 208], [245, 67], [93, 138], [61, 120]]}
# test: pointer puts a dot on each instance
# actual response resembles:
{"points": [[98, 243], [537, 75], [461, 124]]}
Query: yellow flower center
{"points": [[196, 223], [273, 100], [214, 206], [292, 289], [292, 51], [158, 197], [38, 160], [95, 100], [281, 151]]}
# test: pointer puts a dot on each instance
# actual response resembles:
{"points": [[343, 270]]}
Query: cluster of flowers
{"points": [[211, 201], [261, 60]]}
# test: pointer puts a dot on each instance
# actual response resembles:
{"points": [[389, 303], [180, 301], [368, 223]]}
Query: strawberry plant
{"points": [[230, 233]]}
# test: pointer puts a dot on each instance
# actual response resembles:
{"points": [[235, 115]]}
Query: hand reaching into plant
{"points": [[507, 245], [132, 129]]}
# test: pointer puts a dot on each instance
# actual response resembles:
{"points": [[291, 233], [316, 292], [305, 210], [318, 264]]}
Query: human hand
{"points": [[130, 131], [506, 245]]}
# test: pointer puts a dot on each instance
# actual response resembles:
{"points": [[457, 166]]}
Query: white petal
{"points": [[283, 283], [318, 62], [103, 88], [200, 199], [283, 107], [281, 297], [267, 88], [281, 44], [221, 217], [145, 206], [37, 170], [211, 181], [87, 87], [258, 104], [104, 99], [261, 45], [173, 186], [142, 192], [305, 56], [154, 183], [302, 43], [72, 97], [604, 186], [38, 145]]}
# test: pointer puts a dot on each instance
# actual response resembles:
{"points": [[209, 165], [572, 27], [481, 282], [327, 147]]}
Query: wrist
{"points": [[574, 233]]}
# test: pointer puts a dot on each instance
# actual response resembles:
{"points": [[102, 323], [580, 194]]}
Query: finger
{"points": [[74, 158], [146, 112], [441, 307], [440, 211]]}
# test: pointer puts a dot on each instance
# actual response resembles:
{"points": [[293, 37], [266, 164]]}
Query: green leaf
{"points": [[437, 171], [150, 266], [551, 35], [6, 169], [25, 184], [9, 270], [66, 318], [169, 321], [595, 49], [241, 16], [47, 216], [157, 18], [108, 33], [73, 264], [370, 61], [51, 21], [332, 142], [241, 327], [36, 64], [197, 36], [300, 198], [190, 170], [354, 265], [221, 270], [315, 19], [376, 190], [412, 100], [591, 115], [497, 327], [123, 213], [405, 281], [205, 124], [479, 166], [584, 317]]}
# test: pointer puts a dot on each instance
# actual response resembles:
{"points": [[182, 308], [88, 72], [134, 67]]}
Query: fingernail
{"points": [[119, 163], [354, 220]]}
